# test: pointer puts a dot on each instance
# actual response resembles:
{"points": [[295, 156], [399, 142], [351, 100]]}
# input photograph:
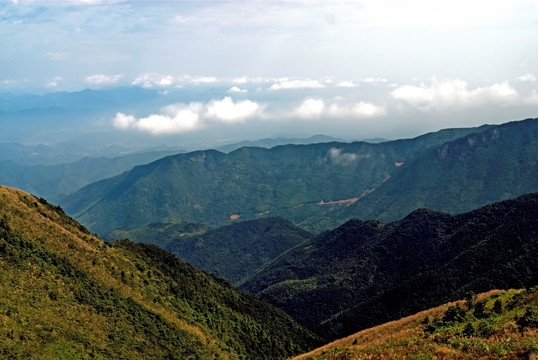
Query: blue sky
{"points": [[377, 66]]}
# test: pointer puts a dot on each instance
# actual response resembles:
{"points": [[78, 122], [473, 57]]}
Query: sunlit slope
{"points": [[302, 183], [366, 273], [67, 294], [497, 325]]}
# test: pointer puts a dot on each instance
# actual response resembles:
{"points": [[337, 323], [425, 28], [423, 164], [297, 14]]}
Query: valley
{"points": [[268, 180], [209, 187], [291, 226]]}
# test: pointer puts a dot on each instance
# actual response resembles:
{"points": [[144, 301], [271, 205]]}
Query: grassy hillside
{"points": [[66, 294], [366, 273], [232, 252], [297, 182], [507, 329]]}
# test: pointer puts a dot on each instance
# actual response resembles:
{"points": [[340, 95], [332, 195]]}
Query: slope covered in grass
{"points": [[498, 325], [66, 294]]}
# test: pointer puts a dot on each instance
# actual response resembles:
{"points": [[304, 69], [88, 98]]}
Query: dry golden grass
{"points": [[38, 223], [395, 331]]}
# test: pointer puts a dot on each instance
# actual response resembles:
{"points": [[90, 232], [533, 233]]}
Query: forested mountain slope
{"points": [[366, 273], [302, 183], [232, 252], [66, 294], [53, 182], [497, 164]]}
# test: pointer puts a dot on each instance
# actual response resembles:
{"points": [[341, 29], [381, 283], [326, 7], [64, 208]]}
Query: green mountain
{"points": [[66, 294], [232, 252], [497, 164], [55, 181], [497, 325], [366, 273], [302, 183], [159, 234]]}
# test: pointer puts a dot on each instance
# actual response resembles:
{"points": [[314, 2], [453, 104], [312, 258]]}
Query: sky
{"points": [[365, 68]]}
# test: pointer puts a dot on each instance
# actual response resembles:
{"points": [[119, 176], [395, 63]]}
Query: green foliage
{"points": [[528, 320], [290, 181], [454, 314], [362, 274], [64, 294], [55, 181], [460, 175], [233, 252], [494, 338], [480, 311]]}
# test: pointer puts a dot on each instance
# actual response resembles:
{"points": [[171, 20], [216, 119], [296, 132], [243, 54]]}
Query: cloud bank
{"points": [[317, 108], [297, 84], [102, 79], [440, 95], [182, 118]]}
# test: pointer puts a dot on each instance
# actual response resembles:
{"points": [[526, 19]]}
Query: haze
{"points": [[221, 71]]}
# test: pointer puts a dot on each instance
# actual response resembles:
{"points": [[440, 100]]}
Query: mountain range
{"points": [[319, 186], [367, 272], [54, 182]]}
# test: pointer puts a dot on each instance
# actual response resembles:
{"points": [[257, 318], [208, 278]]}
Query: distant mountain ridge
{"points": [[302, 183], [366, 273], [272, 142], [54, 182]]}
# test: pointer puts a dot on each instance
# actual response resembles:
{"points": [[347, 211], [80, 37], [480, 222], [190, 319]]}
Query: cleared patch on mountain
{"points": [[66, 294], [366, 273], [232, 252], [213, 188]]}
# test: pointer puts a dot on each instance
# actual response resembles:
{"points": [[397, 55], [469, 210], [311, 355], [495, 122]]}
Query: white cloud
{"points": [[296, 84], [445, 94], [182, 118], [203, 80], [316, 108], [310, 109], [346, 84], [361, 109], [527, 77], [339, 157], [366, 109], [240, 80], [227, 111], [373, 80], [235, 89], [175, 119], [102, 79], [150, 80], [122, 121]]}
